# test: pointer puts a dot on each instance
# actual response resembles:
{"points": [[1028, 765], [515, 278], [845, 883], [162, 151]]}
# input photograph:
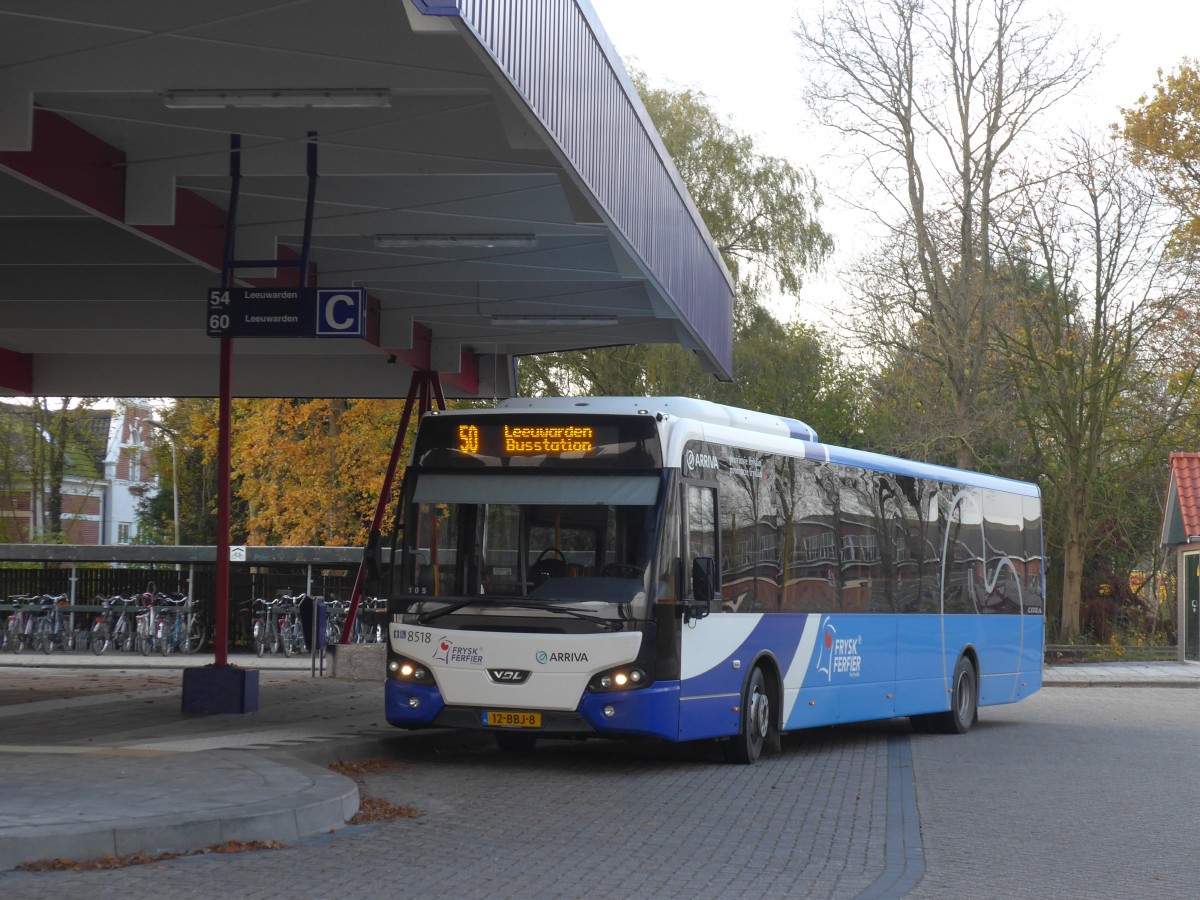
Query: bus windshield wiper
{"points": [[515, 603], [426, 617], [565, 610]]}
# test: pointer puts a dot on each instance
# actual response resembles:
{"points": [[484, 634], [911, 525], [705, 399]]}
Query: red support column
{"points": [[224, 500], [422, 383]]}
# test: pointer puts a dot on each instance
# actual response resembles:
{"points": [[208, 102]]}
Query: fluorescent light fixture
{"points": [[277, 99], [586, 321], [385, 241]]}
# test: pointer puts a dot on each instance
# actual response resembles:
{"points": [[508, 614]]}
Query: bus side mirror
{"points": [[704, 578]]}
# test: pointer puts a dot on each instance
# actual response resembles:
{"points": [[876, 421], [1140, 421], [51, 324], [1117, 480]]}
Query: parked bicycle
{"points": [[368, 621], [177, 626], [114, 627], [50, 628], [144, 631], [18, 628], [266, 626]]}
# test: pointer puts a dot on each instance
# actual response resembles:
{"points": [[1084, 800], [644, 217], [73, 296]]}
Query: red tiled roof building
{"points": [[1181, 529]]}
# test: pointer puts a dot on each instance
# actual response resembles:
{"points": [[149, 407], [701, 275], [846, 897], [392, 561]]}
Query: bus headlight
{"points": [[625, 678], [408, 670]]}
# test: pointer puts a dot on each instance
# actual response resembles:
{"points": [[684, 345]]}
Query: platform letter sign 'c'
{"points": [[341, 312]]}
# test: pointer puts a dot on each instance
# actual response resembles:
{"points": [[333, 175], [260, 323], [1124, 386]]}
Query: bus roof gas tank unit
{"points": [[678, 569]]}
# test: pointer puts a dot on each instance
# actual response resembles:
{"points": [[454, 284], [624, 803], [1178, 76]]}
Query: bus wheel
{"points": [[515, 741], [964, 704], [747, 745]]}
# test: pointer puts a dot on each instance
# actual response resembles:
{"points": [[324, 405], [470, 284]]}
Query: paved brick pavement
{"points": [[1072, 793], [1069, 794]]}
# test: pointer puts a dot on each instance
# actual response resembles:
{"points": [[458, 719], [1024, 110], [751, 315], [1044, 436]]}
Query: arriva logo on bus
{"points": [[559, 656], [838, 655], [702, 461]]}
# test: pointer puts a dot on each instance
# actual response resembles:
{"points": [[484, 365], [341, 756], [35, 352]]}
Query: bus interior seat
{"points": [[545, 569]]}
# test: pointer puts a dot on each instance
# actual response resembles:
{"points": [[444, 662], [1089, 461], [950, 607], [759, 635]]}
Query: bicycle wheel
{"points": [[13, 634], [194, 639], [42, 638], [100, 638], [285, 641], [122, 639]]}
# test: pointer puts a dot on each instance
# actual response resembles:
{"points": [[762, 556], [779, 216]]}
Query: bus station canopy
{"points": [[484, 172]]}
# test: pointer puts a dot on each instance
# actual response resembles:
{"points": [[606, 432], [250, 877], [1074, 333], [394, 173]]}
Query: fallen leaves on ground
{"points": [[354, 768], [373, 809], [376, 809], [141, 859]]}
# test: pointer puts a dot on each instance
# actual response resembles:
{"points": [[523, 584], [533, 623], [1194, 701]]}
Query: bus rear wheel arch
{"points": [[964, 702]]}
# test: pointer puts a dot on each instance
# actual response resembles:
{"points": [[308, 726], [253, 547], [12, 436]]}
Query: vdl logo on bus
{"points": [[509, 676]]}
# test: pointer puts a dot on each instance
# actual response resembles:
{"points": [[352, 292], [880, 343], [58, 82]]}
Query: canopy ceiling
{"points": [[485, 173]]}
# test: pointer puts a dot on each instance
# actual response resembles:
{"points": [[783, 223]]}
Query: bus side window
{"points": [[701, 529]]}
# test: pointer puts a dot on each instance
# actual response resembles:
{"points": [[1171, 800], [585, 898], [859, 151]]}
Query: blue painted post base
{"points": [[218, 690]]}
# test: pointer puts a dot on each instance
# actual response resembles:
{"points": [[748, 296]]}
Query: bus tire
{"points": [[964, 704], [747, 745]]}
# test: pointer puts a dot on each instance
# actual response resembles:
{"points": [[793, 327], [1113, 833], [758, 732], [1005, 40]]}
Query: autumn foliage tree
{"points": [[309, 471], [1163, 134], [305, 472]]}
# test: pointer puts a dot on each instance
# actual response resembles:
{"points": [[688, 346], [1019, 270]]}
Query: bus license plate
{"points": [[513, 719]]}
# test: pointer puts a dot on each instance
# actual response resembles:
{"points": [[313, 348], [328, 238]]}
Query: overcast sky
{"points": [[745, 57]]}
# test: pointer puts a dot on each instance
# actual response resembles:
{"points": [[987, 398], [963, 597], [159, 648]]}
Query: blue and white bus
{"points": [[674, 568]]}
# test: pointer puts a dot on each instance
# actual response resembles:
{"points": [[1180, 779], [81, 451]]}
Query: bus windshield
{"points": [[544, 539]]}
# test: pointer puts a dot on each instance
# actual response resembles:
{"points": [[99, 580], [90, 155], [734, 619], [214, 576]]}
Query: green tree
{"points": [[48, 441], [761, 212], [1094, 384], [193, 422]]}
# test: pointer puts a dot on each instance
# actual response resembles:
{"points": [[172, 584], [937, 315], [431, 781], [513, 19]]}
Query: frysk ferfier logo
{"points": [[839, 656]]}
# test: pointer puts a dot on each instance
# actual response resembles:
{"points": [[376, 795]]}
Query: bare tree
{"points": [[1091, 341], [935, 96]]}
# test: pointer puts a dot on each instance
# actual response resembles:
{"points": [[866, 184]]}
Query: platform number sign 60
{"points": [[218, 320]]}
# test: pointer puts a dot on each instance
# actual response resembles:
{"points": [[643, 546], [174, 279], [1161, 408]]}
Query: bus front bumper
{"points": [[649, 712]]}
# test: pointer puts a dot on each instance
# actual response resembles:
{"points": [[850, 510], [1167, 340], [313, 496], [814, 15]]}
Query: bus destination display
{"points": [[527, 440], [610, 442]]}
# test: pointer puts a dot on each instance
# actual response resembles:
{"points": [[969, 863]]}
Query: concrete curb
{"points": [[324, 801], [1090, 683]]}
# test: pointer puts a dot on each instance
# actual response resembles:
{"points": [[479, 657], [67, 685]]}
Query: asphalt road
{"points": [[1074, 793]]}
